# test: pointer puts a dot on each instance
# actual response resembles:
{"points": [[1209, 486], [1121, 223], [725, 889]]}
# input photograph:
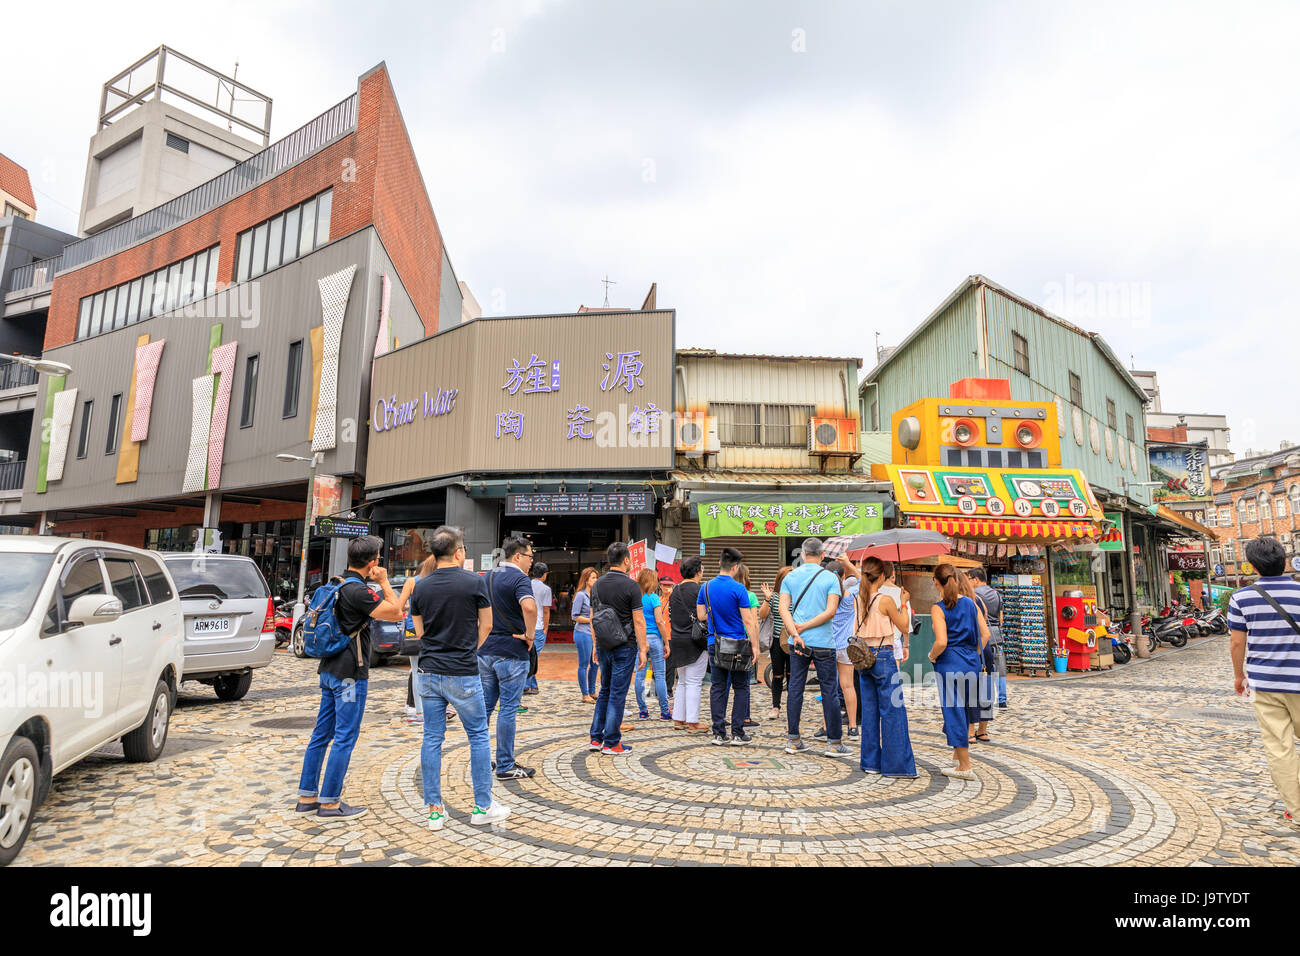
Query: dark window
{"points": [[292, 379], [83, 438], [175, 142], [1021, 346], [231, 579], [1111, 419], [126, 583], [83, 577], [155, 580], [995, 458], [114, 417], [1076, 391], [1128, 423], [250, 391]]}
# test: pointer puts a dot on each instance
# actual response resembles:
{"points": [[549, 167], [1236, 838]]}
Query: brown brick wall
{"points": [[1242, 532], [132, 531]]}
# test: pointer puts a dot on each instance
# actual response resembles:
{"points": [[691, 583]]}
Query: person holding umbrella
{"points": [[960, 634]]}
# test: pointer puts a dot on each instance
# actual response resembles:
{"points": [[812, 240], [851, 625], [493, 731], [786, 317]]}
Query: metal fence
{"points": [[35, 275], [11, 475], [335, 122], [13, 375]]}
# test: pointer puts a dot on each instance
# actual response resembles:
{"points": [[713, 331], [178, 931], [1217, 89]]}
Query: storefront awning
{"points": [[754, 487], [1026, 530], [1171, 522]]}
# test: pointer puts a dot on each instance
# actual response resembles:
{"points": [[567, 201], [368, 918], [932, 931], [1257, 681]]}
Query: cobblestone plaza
{"points": [[1155, 763]]}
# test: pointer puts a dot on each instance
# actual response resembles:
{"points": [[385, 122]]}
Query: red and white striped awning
{"points": [[988, 528]]}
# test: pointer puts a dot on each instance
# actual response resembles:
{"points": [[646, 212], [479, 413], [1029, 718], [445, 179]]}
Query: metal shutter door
{"points": [[762, 555]]}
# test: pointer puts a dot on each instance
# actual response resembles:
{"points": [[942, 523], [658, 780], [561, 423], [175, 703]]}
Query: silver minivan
{"points": [[229, 619]]}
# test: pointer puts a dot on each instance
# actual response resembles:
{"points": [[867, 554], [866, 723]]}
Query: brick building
{"points": [[1252, 497], [234, 322]]}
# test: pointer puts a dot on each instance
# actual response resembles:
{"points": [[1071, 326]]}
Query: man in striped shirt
{"points": [[1265, 649]]}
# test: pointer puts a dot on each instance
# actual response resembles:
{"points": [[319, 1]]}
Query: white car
{"points": [[91, 650]]}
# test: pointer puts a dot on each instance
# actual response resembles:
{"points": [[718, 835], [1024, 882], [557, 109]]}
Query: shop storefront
{"points": [[553, 428], [985, 472]]}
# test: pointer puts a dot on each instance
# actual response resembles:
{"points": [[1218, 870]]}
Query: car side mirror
{"points": [[94, 609]]}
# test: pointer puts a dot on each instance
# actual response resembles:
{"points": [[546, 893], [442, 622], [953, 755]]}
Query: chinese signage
{"points": [[1187, 561], [586, 391], [1182, 471], [339, 528], [993, 493], [582, 503], [719, 520]]}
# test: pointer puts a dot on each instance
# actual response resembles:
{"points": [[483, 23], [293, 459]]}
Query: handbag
{"points": [[861, 654], [765, 631], [729, 653]]}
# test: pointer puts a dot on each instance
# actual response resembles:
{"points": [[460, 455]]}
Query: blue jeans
{"points": [[503, 679], [616, 668], [720, 682], [654, 661], [342, 704], [959, 693], [539, 641], [466, 695], [828, 677], [587, 668], [886, 745]]}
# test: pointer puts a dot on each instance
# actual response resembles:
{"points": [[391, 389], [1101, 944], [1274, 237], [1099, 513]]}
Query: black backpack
{"points": [[608, 630]]}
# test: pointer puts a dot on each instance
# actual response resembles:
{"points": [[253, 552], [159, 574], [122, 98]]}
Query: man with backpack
{"points": [[452, 616], [618, 628], [1264, 642], [503, 659], [723, 606], [337, 630]]}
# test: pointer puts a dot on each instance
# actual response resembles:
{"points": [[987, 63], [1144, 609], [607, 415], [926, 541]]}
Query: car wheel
{"points": [[20, 778], [233, 686], [299, 643], [145, 743]]}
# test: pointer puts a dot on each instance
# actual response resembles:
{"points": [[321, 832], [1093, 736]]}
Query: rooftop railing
{"points": [[35, 276], [331, 125]]}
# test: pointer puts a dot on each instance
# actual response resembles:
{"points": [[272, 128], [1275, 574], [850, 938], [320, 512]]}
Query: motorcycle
{"points": [[283, 622]]}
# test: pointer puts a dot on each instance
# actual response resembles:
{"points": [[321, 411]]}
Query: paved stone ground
{"points": [[1153, 763]]}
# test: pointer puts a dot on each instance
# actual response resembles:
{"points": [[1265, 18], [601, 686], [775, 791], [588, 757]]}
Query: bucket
{"points": [[1059, 663]]}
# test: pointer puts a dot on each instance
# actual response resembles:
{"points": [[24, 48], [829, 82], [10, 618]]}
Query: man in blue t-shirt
{"points": [[810, 595], [503, 657], [723, 606]]}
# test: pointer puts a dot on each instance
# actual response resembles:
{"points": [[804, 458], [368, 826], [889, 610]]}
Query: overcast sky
{"points": [[796, 176]]}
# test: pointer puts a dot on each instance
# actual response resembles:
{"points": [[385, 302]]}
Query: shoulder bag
{"points": [[730, 653], [861, 654], [606, 628], [1258, 589]]}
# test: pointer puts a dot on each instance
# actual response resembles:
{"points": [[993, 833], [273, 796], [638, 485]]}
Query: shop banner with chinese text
{"points": [[734, 519]]}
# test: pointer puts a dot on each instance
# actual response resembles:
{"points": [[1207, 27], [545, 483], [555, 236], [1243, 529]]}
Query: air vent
{"points": [[175, 142]]}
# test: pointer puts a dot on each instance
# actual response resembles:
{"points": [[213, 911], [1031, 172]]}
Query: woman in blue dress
{"points": [[960, 634]]}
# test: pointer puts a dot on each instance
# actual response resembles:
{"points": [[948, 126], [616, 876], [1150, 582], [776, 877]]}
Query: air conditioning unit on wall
{"points": [[695, 433], [833, 436]]}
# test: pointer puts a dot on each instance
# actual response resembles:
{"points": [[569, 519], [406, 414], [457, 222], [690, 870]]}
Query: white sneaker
{"points": [[497, 812], [437, 818], [410, 711], [958, 774]]}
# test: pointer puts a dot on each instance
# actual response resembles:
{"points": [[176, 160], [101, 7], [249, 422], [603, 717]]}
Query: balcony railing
{"points": [[331, 125], [35, 276], [11, 475], [13, 375]]}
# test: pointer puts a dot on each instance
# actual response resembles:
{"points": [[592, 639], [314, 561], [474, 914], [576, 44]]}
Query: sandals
{"points": [[982, 738]]}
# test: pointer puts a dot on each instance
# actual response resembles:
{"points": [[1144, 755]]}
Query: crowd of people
{"points": [[847, 623]]}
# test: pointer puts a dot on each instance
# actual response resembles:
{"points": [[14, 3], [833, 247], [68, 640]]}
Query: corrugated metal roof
{"points": [[979, 280], [713, 353]]}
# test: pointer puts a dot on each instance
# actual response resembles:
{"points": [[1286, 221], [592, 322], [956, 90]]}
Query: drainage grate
{"points": [[286, 723], [1211, 713]]}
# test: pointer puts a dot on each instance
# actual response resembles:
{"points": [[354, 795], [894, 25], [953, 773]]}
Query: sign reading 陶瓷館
{"points": [[779, 519]]}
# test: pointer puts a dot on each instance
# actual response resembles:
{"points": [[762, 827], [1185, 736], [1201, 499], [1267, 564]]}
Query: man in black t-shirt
{"points": [[618, 591], [344, 679], [503, 657], [453, 616]]}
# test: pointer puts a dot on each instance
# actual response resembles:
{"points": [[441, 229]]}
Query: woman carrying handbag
{"points": [[886, 744]]}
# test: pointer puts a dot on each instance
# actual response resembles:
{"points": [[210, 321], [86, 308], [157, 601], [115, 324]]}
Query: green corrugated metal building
{"points": [[985, 331]]}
